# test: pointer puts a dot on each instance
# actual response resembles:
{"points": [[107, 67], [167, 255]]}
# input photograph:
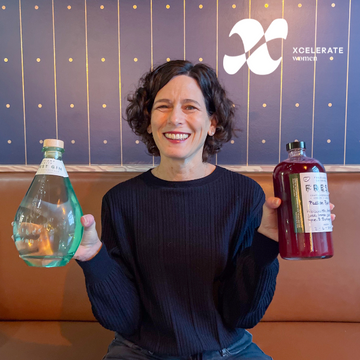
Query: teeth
{"points": [[176, 136]]}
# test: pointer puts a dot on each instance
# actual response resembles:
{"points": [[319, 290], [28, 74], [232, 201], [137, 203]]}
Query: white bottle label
{"points": [[52, 167], [310, 202]]}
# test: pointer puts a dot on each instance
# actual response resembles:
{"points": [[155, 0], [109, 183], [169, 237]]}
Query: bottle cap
{"points": [[296, 145], [53, 143]]}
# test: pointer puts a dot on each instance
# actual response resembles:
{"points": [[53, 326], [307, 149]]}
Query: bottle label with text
{"points": [[52, 167], [310, 202]]}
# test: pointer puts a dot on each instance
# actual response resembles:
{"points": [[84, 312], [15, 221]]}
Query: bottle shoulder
{"points": [[302, 164]]}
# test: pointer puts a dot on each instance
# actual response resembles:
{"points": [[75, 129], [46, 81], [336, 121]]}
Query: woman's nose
{"points": [[176, 117]]}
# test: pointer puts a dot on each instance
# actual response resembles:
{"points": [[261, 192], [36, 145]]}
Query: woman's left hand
{"points": [[269, 223]]}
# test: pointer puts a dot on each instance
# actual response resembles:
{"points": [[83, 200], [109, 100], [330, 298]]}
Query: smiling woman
{"points": [[180, 124], [187, 258]]}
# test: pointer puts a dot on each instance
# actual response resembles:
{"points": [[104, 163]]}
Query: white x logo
{"points": [[260, 61]]}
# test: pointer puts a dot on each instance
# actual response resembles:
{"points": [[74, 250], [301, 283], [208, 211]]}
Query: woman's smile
{"points": [[176, 136]]}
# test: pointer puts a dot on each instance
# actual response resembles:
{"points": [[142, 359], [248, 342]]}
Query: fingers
{"points": [[273, 202], [87, 221], [333, 216]]}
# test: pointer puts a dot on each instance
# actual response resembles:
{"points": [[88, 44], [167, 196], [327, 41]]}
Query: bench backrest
{"points": [[318, 290]]}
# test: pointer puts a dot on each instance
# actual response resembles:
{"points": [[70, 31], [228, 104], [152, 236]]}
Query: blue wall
{"points": [[66, 68]]}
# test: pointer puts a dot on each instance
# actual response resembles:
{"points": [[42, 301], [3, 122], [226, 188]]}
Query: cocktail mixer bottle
{"points": [[304, 216]]}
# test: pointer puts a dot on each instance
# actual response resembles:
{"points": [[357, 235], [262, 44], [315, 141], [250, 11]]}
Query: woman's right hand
{"points": [[90, 243]]}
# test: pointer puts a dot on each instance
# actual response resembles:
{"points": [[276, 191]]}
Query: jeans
{"points": [[121, 349]]}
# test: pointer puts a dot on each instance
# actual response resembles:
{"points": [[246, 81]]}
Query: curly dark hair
{"points": [[138, 112]]}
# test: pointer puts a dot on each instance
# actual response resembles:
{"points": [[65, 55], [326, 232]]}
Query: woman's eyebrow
{"points": [[183, 101], [191, 100], [163, 100]]}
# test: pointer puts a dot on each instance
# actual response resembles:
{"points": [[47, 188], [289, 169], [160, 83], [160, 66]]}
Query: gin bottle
{"points": [[47, 229]]}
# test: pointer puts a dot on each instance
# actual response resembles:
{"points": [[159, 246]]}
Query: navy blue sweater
{"points": [[183, 269]]}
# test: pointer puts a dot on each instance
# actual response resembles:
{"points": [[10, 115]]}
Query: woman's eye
{"points": [[190, 107]]}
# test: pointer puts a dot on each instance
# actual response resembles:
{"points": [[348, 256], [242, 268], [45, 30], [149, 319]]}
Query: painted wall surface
{"points": [[290, 67]]}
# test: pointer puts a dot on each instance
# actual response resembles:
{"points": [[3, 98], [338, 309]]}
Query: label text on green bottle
{"points": [[50, 166]]}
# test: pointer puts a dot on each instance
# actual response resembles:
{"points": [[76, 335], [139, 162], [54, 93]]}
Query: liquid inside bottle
{"points": [[304, 216], [47, 229]]}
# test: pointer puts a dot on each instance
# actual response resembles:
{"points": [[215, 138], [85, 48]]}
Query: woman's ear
{"points": [[149, 129], [212, 128]]}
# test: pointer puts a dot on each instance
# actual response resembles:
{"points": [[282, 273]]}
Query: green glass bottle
{"points": [[47, 229]]}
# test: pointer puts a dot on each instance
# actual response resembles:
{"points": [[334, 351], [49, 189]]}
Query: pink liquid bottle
{"points": [[304, 217]]}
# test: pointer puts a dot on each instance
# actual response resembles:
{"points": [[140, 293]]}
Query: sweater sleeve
{"points": [[248, 287], [110, 285]]}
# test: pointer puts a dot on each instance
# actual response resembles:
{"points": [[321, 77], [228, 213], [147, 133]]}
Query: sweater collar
{"points": [[150, 179]]}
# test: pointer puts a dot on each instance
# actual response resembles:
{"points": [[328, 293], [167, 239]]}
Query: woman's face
{"points": [[179, 120]]}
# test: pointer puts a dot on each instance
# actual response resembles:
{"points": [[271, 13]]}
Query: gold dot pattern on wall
{"points": [[9, 141], [264, 105], [232, 141], [39, 106], [297, 104], [104, 106], [329, 104], [135, 7], [41, 141], [7, 105], [102, 7], [200, 59], [6, 60], [333, 5], [263, 141], [266, 5], [331, 58], [299, 5], [3, 7], [38, 60], [168, 6], [105, 141], [71, 59], [73, 141], [328, 141], [135, 59], [167, 59], [36, 7], [72, 106], [233, 105], [137, 142], [103, 59], [233, 6], [69, 7], [201, 6]]}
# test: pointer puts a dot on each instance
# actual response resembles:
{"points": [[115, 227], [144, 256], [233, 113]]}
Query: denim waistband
{"points": [[234, 348]]}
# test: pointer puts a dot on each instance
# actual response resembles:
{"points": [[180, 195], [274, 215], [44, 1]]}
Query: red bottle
{"points": [[304, 217]]}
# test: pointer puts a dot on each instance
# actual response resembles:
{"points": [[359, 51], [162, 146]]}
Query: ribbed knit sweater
{"points": [[183, 269]]}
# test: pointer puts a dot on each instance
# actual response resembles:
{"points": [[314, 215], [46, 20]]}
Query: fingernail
{"points": [[12, 223]]}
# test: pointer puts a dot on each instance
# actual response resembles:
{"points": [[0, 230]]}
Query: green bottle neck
{"points": [[53, 153]]}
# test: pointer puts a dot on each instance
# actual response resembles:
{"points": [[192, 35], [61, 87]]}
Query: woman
{"points": [[188, 256]]}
